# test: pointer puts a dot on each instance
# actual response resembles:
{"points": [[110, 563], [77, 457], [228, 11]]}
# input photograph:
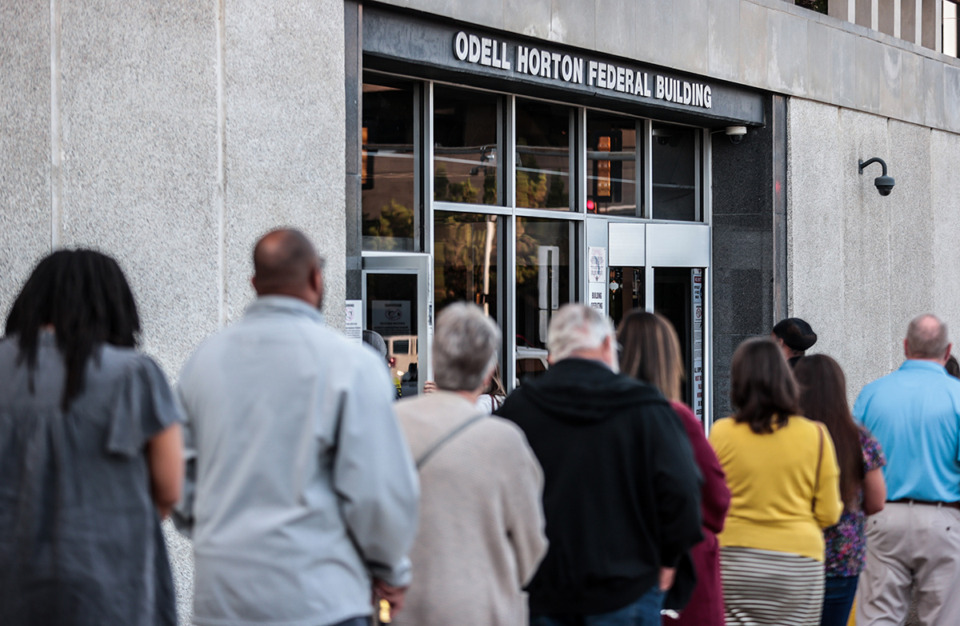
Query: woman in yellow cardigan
{"points": [[783, 476]]}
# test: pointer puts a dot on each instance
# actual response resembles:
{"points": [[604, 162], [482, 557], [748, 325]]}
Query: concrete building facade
{"points": [[171, 136]]}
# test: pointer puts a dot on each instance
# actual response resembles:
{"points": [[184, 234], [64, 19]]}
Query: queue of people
{"points": [[783, 474], [591, 496]]}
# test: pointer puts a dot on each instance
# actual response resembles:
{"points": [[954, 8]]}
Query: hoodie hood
{"points": [[584, 390]]}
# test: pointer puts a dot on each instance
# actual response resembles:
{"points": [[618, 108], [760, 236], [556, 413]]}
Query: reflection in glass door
{"points": [[388, 163], [467, 126], [627, 292], [544, 284], [390, 309], [395, 306], [466, 260], [544, 155]]}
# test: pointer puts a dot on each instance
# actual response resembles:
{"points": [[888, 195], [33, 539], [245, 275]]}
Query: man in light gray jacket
{"points": [[300, 488]]}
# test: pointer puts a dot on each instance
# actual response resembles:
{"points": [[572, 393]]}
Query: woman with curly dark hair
{"points": [[90, 453], [783, 476]]}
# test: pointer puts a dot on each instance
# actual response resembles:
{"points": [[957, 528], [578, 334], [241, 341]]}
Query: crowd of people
{"points": [[590, 497]]}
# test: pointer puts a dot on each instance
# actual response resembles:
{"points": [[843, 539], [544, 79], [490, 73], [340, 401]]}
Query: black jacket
{"points": [[621, 488]]}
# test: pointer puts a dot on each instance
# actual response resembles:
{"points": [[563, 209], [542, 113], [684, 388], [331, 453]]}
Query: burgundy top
{"points": [[706, 604]]}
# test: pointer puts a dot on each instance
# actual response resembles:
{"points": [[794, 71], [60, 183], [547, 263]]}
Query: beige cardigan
{"points": [[481, 533]]}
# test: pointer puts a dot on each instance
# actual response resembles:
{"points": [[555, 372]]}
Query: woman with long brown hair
{"points": [[651, 353], [823, 397], [782, 471]]}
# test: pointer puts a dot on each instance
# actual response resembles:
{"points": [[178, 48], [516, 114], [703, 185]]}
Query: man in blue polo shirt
{"points": [[915, 415]]}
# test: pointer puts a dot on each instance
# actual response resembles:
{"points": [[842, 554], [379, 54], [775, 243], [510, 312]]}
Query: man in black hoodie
{"points": [[622, 491]]}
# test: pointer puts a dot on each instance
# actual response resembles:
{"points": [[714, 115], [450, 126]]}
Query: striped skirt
{"points": [[761, 587]]}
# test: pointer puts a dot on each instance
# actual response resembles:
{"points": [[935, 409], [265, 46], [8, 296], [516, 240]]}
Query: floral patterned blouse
{"points": [[847, 542]]}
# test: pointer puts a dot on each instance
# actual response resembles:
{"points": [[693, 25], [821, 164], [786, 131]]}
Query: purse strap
{"points": [[446, 439], [816, 478]]}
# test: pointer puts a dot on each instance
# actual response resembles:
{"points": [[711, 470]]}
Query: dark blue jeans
{"points": [[645, 611], [838, 596], [355, 621]]}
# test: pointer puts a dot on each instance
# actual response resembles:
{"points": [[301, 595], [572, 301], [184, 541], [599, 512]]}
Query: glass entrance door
{"points": [[395, 305], [678, 296], [664, 268]]}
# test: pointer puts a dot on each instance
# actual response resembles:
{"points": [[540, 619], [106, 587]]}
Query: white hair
{"points": [[577, 327], [464, 347]]}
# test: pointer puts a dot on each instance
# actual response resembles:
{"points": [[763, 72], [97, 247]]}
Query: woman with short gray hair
{"points": [[481, 533], [464, 348]]}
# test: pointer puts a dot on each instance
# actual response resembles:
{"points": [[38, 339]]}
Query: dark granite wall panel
{"points": [[352, 14], [749, 262]]}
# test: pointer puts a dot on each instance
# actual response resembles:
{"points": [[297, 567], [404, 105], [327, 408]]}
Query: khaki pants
{"points": [[909, 543]]}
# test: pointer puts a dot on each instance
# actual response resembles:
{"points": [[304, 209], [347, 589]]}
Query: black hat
{"points": [[795, 333]]}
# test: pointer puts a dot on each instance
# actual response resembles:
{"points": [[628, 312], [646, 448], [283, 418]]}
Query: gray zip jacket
{"points": [[299, 483]]}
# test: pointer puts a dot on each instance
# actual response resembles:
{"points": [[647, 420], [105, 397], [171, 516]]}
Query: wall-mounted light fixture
{"points": [[883, 182]]}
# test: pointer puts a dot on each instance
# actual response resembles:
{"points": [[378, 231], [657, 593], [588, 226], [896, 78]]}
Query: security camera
{"points": [[662, 135], [884, 184], [735, 133]]}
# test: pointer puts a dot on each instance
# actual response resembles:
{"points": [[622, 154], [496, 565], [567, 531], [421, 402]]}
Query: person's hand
{"points": [[393, 595], [429, 386], [667, 574]]}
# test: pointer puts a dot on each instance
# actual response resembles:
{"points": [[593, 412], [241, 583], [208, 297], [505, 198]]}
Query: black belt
{"points": [[952, 505]]}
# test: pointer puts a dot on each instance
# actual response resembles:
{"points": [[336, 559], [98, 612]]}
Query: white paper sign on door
{"points": [[353, 328], [597, 278], [597, 297], [390, 317], [597, 264]]}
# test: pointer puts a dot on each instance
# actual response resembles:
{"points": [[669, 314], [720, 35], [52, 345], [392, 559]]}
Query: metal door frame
{"points": [[420, 265], [669, 245]]}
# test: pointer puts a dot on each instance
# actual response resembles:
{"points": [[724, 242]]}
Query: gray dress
{"points": [[80, 539]]}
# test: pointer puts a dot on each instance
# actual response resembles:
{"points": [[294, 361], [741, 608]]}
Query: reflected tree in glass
{"points": [[387, 164], [466, 146], [543, 155], [466, 261], [543, 276]]}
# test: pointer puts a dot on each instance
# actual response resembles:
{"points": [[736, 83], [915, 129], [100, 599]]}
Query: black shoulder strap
{"points": [[446, 438], [816, 479]]}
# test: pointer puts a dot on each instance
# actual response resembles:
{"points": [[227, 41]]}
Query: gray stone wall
{"points": [[171, 135], [25, 127], [862, 265], [768, 44]]}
